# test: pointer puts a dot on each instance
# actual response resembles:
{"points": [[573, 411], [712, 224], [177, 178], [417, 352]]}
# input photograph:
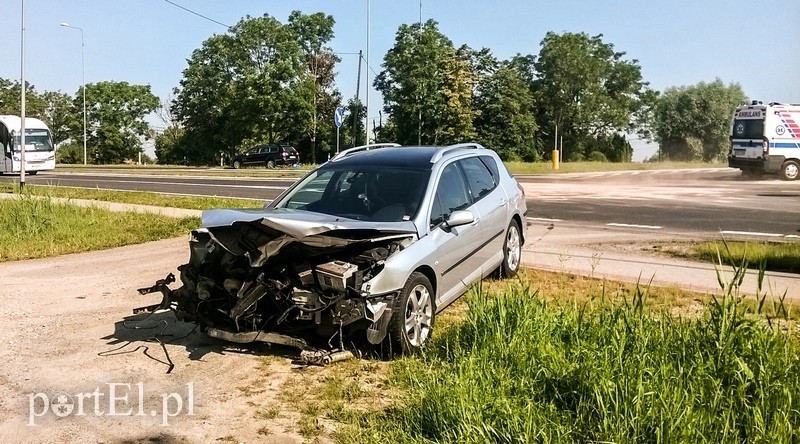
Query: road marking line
{"points": [[750, 233], [651, 227], [543, 219]]}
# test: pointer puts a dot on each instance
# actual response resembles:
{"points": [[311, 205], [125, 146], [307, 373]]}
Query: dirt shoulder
{"points": [[68, 330]]}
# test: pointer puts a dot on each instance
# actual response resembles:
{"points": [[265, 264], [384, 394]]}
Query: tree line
{"points": [[268, 82]]}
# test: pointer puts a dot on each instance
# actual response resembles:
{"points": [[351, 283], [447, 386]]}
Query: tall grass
{"points": [[520, 369], [31, 227]]}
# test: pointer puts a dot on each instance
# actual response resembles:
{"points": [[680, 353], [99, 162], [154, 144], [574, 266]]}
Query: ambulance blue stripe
{"points": [[784, 145]]}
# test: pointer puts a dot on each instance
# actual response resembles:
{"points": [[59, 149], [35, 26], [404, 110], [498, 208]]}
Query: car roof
{"points": [[416, 157]]}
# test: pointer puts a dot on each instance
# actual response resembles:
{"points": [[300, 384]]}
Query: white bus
{"points": [[40, 155]]}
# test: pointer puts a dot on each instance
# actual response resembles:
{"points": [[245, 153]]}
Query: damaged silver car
{"points": [[369, 246]]}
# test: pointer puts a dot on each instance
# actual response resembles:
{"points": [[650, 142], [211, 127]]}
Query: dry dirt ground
{"points": [[76, 366]]}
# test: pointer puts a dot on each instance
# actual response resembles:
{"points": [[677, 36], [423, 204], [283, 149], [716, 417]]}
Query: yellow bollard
{"points": [[555, 159]]}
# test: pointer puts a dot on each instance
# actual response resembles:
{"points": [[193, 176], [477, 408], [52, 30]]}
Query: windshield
{"points": [[362, 193], [748, 129], [35, 140]]}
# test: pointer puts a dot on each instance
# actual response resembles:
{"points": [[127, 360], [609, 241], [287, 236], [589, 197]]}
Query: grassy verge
{"points": [[521, 368], [516, 167], [775, 256], [135, 197], [35, 228]]}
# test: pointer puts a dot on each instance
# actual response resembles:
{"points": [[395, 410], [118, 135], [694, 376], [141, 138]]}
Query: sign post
{"points": [[338, 118]]}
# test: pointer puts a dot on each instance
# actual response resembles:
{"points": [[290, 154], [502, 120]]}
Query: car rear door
{"points": [[490, 207], [456, 262]]}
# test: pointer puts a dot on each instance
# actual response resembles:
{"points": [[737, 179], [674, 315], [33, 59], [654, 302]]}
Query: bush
{"points": [[72, 153], [597, 156]]}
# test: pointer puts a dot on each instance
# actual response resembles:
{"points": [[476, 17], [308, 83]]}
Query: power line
{"points": [[196, 13]]}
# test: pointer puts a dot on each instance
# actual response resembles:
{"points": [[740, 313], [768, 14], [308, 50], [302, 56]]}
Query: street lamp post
{"points": [[83, 81]]}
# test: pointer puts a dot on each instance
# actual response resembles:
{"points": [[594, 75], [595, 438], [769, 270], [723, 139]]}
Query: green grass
{"points": [[521, 368], [134, 197], [35, 228], [776, 256], [516, 167]]}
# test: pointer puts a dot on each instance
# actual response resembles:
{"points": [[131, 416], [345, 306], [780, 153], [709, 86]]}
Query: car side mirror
{"points": [[458, 218]]}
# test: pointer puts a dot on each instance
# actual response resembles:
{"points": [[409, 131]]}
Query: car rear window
{"points": [[748, 129]]}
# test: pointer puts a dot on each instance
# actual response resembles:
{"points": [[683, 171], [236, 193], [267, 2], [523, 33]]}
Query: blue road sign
{"points": [[338, 116]]}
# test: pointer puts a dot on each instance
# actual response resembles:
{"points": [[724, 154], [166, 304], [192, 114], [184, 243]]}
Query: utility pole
{"points": [[22, 101], [358, 85]]}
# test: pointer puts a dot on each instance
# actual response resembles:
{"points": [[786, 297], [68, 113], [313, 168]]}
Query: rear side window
{"points": [[480, 179]]}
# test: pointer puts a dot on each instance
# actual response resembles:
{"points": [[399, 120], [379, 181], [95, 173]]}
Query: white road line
{"points": [[650, 227], [543, 219], [750, 233]]}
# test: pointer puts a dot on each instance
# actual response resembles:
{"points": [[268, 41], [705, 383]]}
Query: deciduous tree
{"points": [[585, 88], [506, 120], [115, 119], [427, 87], [692, 122]]}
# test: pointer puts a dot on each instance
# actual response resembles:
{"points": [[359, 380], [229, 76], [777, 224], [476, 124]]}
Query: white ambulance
{"points": [[766, 139]]}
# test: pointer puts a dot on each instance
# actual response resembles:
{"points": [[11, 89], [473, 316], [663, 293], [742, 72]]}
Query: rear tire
{"points": [[270, 164], [237, 164], [512, 251], [413, 315], [790, 170]]}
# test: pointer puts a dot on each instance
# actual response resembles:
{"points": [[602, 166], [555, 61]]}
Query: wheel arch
{"points": [[431, 275]]}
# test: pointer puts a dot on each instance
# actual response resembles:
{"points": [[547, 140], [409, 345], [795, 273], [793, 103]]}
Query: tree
{"points": [[313, 32], [253, 85], [506, 120], [11, 96], [62, 117], [427, 87], [585, 89], [115, 119], [352, 131], [692, 122]]}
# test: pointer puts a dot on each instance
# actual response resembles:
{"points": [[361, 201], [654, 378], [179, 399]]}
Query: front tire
{"points": [[270, 164], [790, 170], [512, 251], [413, 315], [237, 164]]}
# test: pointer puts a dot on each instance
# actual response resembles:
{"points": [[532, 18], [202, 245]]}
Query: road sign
{"points": [[338, 116]]}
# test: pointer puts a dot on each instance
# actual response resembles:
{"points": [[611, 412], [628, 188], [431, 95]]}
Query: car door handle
{"points": [[503, 202]]}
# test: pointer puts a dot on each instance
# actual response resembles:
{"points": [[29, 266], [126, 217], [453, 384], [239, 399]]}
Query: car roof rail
{"points": [[356, 149], [445, 149]]}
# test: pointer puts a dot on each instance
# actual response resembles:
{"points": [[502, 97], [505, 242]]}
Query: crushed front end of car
{"points": [[287, 277]]}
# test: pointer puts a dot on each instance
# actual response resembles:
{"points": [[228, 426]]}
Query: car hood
{"points": [[262, 233]]}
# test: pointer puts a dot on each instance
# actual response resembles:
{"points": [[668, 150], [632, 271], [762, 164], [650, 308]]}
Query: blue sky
{"points": [[677, 42]]}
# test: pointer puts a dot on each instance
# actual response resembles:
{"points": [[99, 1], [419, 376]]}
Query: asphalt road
{"points": [[703, 202]]}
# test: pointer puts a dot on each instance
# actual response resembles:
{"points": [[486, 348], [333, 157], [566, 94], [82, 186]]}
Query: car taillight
{"points": [[765, 145], [521, 190]]}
